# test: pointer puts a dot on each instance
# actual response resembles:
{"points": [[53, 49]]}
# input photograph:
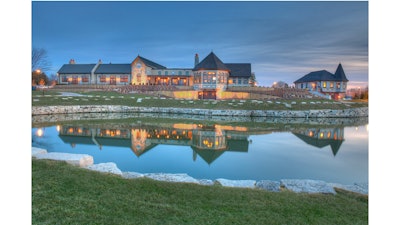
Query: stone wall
{"points": [[321, 113]]}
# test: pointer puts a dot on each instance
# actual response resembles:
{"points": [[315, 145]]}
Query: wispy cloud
{"points": [[282, 40]]}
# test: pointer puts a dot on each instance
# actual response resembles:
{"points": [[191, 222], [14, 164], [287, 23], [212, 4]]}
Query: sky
{"points": [[283, 41]]}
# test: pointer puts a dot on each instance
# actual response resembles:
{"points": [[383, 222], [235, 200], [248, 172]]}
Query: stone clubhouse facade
{"points": [[207, 76]]}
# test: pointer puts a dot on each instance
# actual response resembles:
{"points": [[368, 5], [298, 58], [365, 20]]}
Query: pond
{"points": [[330, 150]]}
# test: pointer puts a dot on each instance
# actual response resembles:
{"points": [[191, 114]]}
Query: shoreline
{"points": [[296, 185], [315, 113]]}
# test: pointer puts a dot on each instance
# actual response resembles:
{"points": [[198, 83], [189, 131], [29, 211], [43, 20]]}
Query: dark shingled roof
{"points": [[211, 62], [317, 76], [324, 75], [151, 63], [340, 73], [76, 68], [113, 68], [239, 69]]}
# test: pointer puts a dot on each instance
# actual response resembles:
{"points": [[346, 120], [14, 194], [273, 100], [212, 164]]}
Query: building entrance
{"points": [[113, 80], [209, 94]]}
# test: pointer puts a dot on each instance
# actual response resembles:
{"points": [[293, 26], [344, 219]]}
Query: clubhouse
{"points": [[209, 75]]}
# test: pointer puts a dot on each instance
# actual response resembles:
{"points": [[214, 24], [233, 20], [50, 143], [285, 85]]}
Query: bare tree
{"points": [[40, 60]]}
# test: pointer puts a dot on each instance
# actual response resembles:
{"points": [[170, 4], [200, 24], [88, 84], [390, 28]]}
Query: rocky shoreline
{"points": [[295, 185], [320, 113]]}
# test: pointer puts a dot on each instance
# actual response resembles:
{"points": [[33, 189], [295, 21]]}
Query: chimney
{"points": [[196, 59], [72, 61]]}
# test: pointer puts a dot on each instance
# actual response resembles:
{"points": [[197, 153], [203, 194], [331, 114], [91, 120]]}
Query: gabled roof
{"points": [[317, 76], [340, 73], [151, 63], [76, 68], [239, 69], [324, 75], [113, 68], [211, 62]]}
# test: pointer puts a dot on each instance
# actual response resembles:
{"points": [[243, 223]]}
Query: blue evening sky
{"points": [[282, 40]]}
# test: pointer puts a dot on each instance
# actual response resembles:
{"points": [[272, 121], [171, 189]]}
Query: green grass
{"points": [[65, 194], [53, 97]]}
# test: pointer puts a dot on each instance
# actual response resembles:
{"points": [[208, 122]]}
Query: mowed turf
{"points": [[53, 97], [65, 194]]}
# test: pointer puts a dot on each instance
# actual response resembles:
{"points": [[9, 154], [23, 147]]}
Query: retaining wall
{"points": [[320, 113]]}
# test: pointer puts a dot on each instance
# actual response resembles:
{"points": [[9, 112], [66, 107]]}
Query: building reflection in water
{"points": [[321, 137], [209, 142]]}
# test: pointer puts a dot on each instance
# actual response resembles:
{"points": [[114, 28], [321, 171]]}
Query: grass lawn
{"points": [[65, 194], [53, 97]]}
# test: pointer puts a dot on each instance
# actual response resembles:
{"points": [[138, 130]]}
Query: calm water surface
{"points": [[333, 153]]}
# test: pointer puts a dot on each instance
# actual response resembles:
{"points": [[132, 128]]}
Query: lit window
{"points": [[331, 85], [85, 79], [124, 79], [324, 84]]}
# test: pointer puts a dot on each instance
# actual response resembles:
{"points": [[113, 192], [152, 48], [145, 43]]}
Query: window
{"points": [[239, 81], [331, 85], [187, 73], [338, 85], [85, 79], [159, 72], [103, 79], [124, 79], [166, 72], [64, 79], [180, 72], [221, 78], [324, 84]]}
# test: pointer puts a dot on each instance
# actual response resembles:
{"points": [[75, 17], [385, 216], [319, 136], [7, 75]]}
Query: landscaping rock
{"points": [[179, 177], [361, 188], [236, 183], [108, 167], [132, 175], [36, 151], [206, 182], [269, 185], [81, 160], [308, 186]]}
